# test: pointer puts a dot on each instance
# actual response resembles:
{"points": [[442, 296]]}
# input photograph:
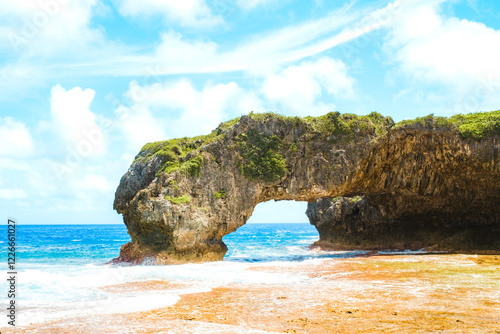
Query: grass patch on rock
{"points": [[178, 200], [220, 194]]}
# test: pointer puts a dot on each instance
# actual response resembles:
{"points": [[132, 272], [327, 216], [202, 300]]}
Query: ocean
{"points": [[63, 270]]}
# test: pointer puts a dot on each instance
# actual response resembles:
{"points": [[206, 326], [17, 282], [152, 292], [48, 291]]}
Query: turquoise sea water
{"points": [[62, 269], [97, 244]]}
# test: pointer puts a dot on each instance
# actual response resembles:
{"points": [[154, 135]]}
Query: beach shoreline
{"points": [[374, 294]]}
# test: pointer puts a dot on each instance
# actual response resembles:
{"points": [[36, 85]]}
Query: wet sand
{"points": [[141, 286], [376, 294]]}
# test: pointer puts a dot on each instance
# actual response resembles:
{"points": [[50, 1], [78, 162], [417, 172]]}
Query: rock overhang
{"points": [[172, 203]]}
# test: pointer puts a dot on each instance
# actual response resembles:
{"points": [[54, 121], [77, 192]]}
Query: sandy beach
{"points": [[375, 294]]}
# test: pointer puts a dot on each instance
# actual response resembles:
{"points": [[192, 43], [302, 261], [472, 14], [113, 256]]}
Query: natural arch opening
{"points": [[180, 197], [276, 231]]}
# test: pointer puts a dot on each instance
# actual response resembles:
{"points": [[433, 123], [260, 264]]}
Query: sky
{"points": [[84, 84]]}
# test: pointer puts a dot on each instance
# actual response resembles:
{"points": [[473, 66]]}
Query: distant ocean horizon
{"points": [[121, 224]]}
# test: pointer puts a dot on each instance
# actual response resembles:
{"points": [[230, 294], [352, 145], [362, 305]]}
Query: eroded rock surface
{"points": [[424, 189], [180, 197]]}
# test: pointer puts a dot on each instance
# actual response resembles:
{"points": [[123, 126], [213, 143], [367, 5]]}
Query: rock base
{"points": [[136, 254], [356, 224]]}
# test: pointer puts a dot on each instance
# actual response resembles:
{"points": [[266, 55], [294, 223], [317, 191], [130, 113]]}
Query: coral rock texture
{"points": [[370, 184]]}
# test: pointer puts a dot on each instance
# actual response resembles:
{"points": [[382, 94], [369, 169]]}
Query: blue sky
{"points": [[85, 84]]}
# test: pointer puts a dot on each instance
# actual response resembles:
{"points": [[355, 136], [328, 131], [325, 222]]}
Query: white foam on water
{"points": [[406, 252], [226, 272], [107, 304], [54, 292], [307, 241]]}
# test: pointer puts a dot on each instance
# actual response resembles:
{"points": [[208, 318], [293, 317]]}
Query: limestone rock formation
{"points": [[180, 197], [364, 223]]}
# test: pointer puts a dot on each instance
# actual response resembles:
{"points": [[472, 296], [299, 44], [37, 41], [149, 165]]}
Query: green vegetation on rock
{"points": [[346, 127], [178, 200], [220, 194], [355, 199], [341, 126], [174, 185], [261, 156], [173, 153], [473, 125], [192, 166]]}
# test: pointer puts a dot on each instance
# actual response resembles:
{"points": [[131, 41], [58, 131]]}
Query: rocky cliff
{"points": [[432, 176]]}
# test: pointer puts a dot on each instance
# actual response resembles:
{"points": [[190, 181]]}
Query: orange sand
{"points": [[141, 286], [379, 294]]}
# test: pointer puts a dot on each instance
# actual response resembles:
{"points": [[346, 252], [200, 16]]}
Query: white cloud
{"points": [[188, 13], [297, 89], [177, 108], [174, 53], [73, 120], [139, 126], [45, 28], [12, 194], [259, 54], [212, 105], [40, 37], [250, 4], [15, 139], [13, 164], [180, 109], [461, 54], [94, 182]]}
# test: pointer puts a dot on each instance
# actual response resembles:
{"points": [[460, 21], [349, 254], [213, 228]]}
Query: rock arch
{"points": [[180, 197]]}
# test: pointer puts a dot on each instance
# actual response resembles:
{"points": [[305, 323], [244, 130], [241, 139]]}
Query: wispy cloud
{"points": [[178, 55], [251, 4], [15, 138], [12, 194], [185, 110], [299, 88], [34, 29], [188, 13], [461, 55]]}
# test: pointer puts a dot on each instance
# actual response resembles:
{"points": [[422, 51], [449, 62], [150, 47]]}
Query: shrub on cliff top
{"points": [[346, 127], [262, 156], [172, 154], [473, 125], [478, 125]]}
